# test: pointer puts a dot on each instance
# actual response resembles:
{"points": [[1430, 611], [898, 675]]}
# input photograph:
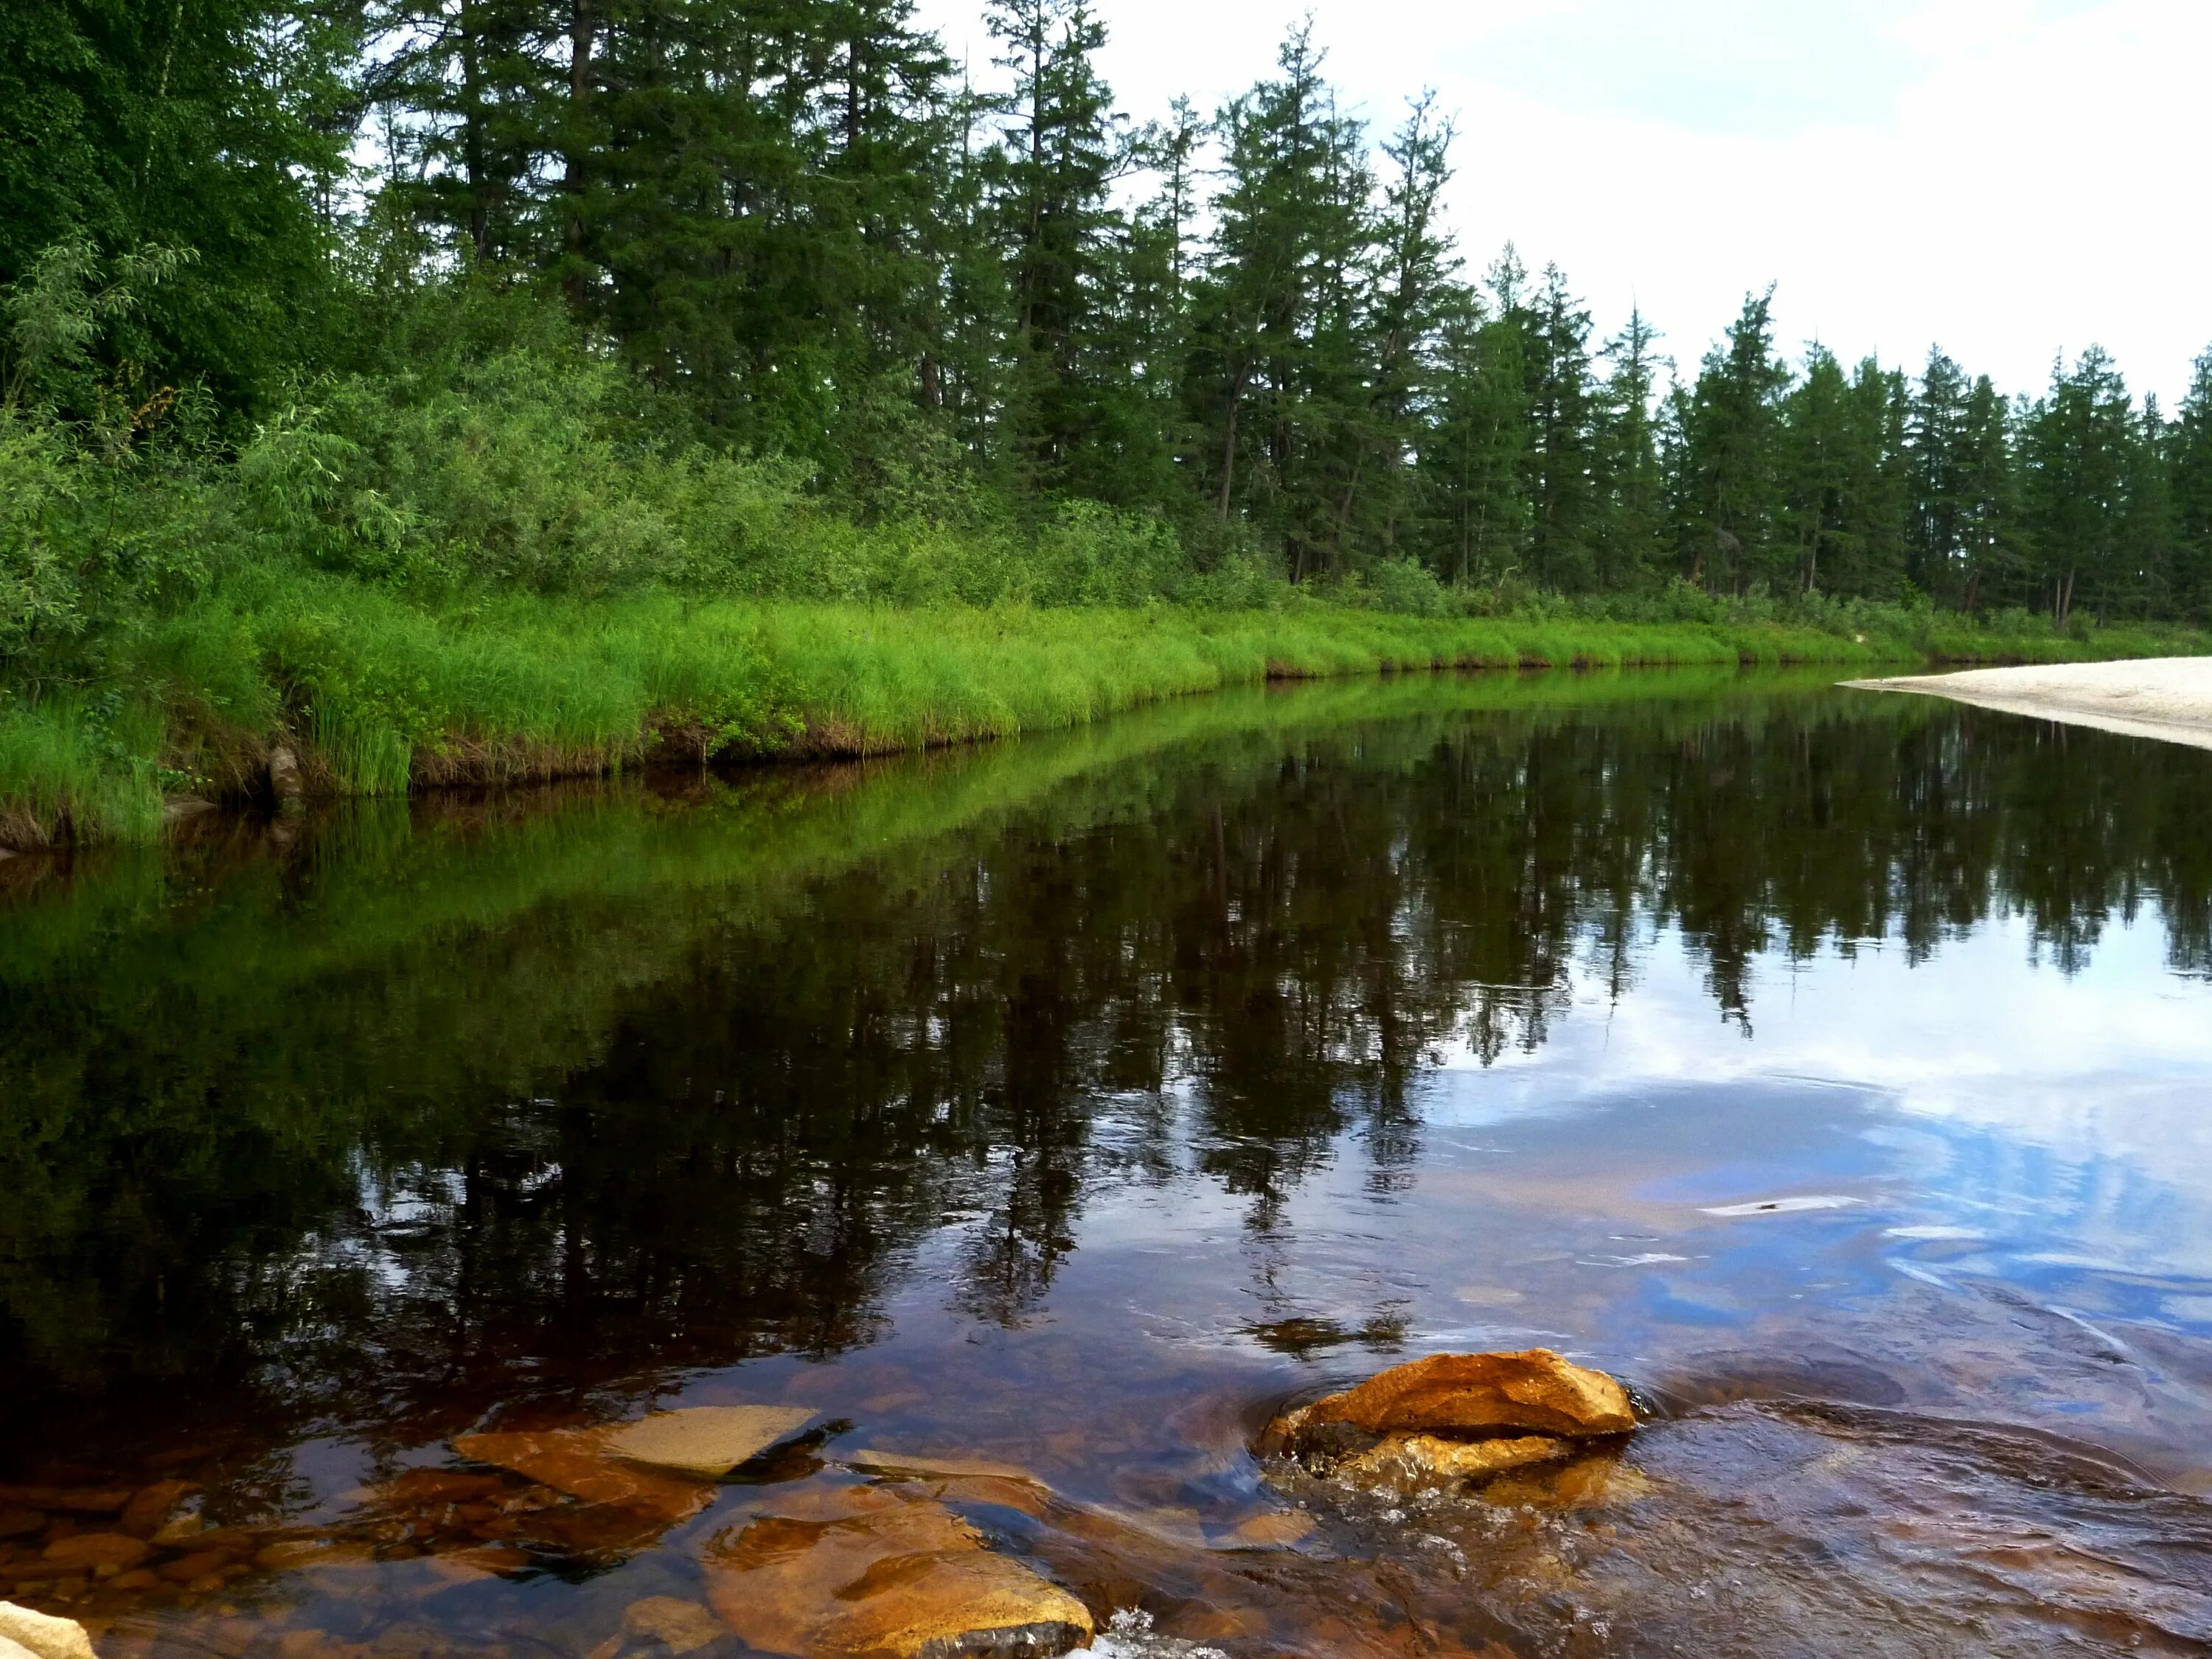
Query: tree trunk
{"points": [[1229, 440], [472, 144], [581, 26]]}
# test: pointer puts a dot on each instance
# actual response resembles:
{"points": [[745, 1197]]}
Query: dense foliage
{"points": [[819, 247], [455, 304]]}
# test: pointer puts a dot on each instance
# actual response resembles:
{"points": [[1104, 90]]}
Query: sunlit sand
{"points": [[2169, 698]]}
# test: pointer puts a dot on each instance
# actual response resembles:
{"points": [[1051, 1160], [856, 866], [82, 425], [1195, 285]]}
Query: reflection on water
{"points": [[1829, 1067]]}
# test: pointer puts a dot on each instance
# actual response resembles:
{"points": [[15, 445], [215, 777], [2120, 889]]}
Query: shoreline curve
{"points": [[2167, 699]]}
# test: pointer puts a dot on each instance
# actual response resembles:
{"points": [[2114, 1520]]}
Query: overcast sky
{"points": [[2013, 179]]}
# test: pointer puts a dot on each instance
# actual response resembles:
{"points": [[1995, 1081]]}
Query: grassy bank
{"points": [[373, 694]]}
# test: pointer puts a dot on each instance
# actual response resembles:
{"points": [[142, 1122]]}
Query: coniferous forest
{"points": [[346, 336]]}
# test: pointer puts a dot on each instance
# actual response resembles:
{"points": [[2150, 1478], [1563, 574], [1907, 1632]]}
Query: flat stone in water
{"points": [[576, 1462], [892, 1462], [92, 1551], [884, 1574], [957, 1601], [678, 1626], [709, 1440]]}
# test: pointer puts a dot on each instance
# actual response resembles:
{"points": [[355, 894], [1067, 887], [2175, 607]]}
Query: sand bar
{"points": [[2169, 698]]}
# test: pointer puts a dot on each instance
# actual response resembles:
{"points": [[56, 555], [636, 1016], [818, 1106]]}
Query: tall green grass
{"points": [[74, 771], [379, 695]]}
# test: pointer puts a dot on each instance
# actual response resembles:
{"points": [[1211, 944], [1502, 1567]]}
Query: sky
{"points": [[2013, 180]]}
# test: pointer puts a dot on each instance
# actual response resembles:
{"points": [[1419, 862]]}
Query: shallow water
{"points": [[1832, 1067]]}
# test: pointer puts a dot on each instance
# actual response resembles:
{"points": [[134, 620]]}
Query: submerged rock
{"points": [[680, 1627], [97, 1552], [867, 1572], [907, 1463], [1533, 1392], [150, 1507], [1410, 1461], [1273, 1529], [958, 1601], [576, 1462], [1595, 1481], [659, 1467], [42, 1634], [709, 1440]]}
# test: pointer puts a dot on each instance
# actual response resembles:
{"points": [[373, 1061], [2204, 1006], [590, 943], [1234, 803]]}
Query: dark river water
{"points": [[1835, 1069]]}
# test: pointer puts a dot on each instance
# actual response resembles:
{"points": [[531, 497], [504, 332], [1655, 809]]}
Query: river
{"points": [[1833, 1069]]}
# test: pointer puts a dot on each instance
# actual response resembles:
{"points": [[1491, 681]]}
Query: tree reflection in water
{"points": [[420, 1114]]}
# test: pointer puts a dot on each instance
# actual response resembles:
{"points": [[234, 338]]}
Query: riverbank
{"points": [[327, 687], [2168, 698]]}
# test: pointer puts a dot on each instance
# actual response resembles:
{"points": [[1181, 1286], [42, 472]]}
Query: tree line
{"points": [[802, 222]]}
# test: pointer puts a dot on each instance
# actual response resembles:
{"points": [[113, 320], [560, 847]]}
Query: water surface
{"points": [[1832, 1067]]}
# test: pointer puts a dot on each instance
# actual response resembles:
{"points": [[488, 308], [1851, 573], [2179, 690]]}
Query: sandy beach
{"points": [[2169, 698]]}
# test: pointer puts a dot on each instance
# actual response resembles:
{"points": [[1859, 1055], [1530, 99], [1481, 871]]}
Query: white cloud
{"points": [[2011, 178]]}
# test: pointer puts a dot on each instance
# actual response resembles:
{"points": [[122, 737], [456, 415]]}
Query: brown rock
{"points": [[873, 1572], [286, 1553], [88, 1552], [497, 1560], [576, 1462], [43, 1634], [181, 1529], [434, 1487], [1535, 1392], [1204, 1623], [708, 1440], [150, 1507], [679, 1626], [1274, 1529], [1025, 1497], [1585, 1483], [891, 1463], [21, 1523], [1410, 1461], [960, 1602], [137, 1578], [199, 1564], [284, 779]]}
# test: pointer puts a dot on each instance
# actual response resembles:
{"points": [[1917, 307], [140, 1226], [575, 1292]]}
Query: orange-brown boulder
{"points": [[150, 1506], [1465, 1394], [957, 1601], [871, 1573], [96, 1551]]}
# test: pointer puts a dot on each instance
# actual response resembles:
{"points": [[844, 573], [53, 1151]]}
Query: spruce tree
{"points": [[218, 127], [1277, 383], [1474, 516], [1558, 463], [1416, 285], [1723, 452], [1063, 148], [2190, 449], [2078, 465], [1936, 532], [1629, 516]]}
